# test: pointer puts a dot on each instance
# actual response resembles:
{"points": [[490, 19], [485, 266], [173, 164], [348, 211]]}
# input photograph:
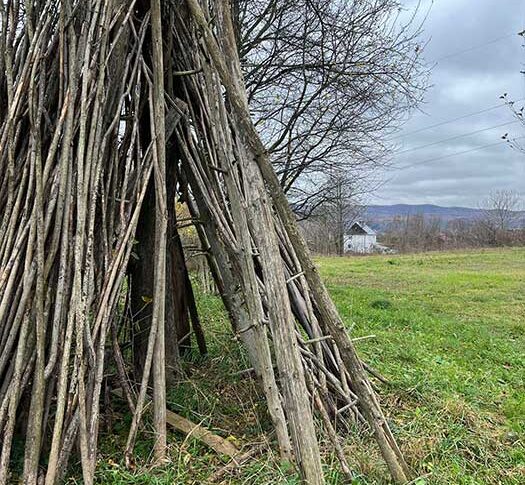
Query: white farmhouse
{"points": [[360, 238]]}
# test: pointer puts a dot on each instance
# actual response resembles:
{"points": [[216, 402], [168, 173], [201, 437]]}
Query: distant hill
{"points": [[379, 216]]}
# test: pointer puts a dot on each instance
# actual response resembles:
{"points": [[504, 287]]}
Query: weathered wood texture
{"points": [[112, 112]]}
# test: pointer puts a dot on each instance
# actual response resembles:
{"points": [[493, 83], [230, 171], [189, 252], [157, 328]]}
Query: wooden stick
{"points": [[191, 429], [235, 463], [161, 229], [330, 317]]}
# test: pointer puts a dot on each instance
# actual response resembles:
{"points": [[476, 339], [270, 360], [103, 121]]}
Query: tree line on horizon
{"points": [[500, 222]]}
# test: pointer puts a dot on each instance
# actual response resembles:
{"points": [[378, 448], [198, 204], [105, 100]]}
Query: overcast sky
{"points": [[478, 57]]}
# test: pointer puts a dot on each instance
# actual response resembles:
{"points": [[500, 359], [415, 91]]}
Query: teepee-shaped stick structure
{"points": [[115, 109]]}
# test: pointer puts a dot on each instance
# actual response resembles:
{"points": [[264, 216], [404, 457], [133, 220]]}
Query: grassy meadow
{"points": [[446, 329]]}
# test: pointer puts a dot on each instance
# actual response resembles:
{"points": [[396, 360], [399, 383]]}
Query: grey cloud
{"points": [[462, 84]]}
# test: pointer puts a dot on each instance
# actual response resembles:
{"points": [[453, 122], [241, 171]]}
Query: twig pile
{"points": [[105, 104]]}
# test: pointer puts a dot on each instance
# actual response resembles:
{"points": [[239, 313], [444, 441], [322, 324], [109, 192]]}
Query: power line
{"points": [[475, 47], [462, 117], [424, 162], [453, 54], [456, 137]]}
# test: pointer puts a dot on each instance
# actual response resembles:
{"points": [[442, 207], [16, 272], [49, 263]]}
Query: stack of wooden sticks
{"points": [[107, 102]]}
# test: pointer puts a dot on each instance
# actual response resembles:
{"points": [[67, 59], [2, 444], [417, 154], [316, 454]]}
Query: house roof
{"points": [[359, 227]]}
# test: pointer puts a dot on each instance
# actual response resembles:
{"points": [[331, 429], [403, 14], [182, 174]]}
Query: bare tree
{"points": [[499, 222], [342, 203], [500, 215], [518, 110], [337, 205], [415, 232], [326, 82]]}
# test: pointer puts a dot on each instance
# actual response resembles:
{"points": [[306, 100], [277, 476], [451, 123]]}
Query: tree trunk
{"points": [[141, 288]]}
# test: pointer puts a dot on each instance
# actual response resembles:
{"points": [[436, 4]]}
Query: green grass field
{"points": [[449, 335]]}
